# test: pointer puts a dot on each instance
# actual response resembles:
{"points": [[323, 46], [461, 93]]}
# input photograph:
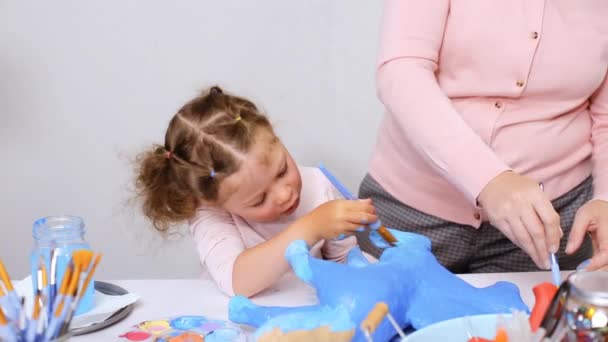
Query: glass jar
{"points": [[64, 234], [579, 311]]}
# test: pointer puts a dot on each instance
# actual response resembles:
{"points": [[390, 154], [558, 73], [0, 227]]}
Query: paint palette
{"points": [[186, 329]]}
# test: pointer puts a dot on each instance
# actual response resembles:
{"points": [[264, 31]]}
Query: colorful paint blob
{"points": [[186, 329]]}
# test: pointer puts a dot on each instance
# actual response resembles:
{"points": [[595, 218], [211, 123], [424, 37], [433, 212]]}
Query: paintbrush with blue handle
{"points": [[557, 279], [377, 226]]}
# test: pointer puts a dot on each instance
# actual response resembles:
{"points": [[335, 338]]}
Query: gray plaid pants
{"points": [[464, 249]]}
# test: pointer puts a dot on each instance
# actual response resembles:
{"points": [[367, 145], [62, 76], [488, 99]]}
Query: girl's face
{"points": [[268, 184]]}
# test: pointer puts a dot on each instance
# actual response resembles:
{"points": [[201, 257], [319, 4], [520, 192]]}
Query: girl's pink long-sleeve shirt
{"points": [[220, 236]]}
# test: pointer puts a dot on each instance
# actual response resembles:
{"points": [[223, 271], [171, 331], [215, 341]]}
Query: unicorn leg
{"points": [[243, 311], [298, 256]]}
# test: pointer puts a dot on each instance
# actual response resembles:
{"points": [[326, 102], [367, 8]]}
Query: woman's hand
{"points": [[336, 217], [591, 218], [517, 206]]}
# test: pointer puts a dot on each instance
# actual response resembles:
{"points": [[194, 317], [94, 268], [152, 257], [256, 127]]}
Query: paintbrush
{"points": [[22, 323], [555, 272], [82, 259], [46, 293], [375, 317], [14, 308], [42, 295], [6, 331], [32, 326], [70, 295], [53, 277], [59, 303], [377, 226], [42, 277]]}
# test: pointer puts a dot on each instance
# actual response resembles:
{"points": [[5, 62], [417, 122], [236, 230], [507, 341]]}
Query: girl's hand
{"points": [[591, 218], [336, 217], [517, 206]]}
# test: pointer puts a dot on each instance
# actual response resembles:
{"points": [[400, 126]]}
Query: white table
{"points": [[163, 298]]}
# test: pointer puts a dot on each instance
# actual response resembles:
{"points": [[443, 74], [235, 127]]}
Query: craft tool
{"points": [[377, 226], [375, 317], [555, 272]]}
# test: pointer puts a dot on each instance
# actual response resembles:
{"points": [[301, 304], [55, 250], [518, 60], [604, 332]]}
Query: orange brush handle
{"points": [[3, 319], [374, 317], [387, 235], [5, 278]]}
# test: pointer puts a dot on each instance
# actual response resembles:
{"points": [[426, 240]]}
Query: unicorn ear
{"points": [[405, 239], [356, 258]]}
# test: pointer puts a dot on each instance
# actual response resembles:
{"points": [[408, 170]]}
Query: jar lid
{"points": [[591, 287]]}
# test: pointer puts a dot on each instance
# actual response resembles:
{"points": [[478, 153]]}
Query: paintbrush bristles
{"points": [[5, 278], [82, 258]]}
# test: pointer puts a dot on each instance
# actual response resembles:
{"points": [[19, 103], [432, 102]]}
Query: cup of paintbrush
{"points": [[42, 326]]}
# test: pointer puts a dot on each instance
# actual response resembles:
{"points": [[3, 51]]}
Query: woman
{"points": [[495, 139]]}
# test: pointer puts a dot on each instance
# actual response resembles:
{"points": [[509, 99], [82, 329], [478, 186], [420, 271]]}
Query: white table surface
{"points": [[163, 298]]}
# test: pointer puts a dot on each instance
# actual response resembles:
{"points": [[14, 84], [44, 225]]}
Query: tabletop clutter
{"points": [[62, 268], [62, 287]]}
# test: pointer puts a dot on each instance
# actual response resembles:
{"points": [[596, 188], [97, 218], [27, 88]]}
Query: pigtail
{"points": [[166, 197]]}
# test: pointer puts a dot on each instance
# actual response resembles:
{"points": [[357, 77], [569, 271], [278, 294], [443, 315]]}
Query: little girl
{"points": [[223, 169]]}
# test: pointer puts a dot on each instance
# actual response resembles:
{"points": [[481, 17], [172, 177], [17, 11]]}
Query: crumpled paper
{"points": [[104, 307]]}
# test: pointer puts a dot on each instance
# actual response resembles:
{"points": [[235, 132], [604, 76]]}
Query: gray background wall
{"points": [[85, 86]]}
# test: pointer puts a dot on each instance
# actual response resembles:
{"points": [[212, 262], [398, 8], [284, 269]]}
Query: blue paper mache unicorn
{"points": [[418, 291]]}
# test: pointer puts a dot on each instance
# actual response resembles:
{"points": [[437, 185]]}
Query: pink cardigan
{"points": [[476, 87]]}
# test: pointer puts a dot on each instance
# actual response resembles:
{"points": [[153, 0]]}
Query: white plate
{"points": [[455, 330]]}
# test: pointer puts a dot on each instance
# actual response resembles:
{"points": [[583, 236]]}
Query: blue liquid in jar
{"points": [[66, 234]]}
